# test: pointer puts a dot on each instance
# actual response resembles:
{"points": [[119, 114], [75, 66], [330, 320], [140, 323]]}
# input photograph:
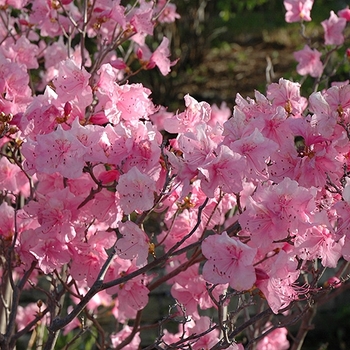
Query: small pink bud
{"points": [[67, 108]]}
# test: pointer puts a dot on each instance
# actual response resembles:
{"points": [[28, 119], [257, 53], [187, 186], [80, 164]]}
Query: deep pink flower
{"points": [[345, 13], [333, 30], [309, 62], [298, 10]]}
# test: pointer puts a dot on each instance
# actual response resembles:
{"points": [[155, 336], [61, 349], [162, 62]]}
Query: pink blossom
{"points": [[7, 223], [298, 10], [12, 178], [133, 294], [277, 210], [345, 13], [72, 81], [14, 80], [160, 58], [167, 11], [287, 95], [319, 242], [88, 257], [333, 30], [277, 282], [275, 340], [194, 114], [256, 150], [229, 261], [133, 244], [27, 314], [309, 62], [23, 52], [135, 191], [117, 339], [223, 171], [190, 290], [50, 253], [59, 151]]}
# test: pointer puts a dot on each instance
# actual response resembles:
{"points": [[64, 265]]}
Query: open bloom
{"points": [[298, 10], [229, 261], [309, 62]]}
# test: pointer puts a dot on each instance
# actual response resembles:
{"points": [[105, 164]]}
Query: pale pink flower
{"points": [[333, 29], [194, 114], [133, 294], [298, 10], [117, 338], [135, 191], [141, 19], [287, 95], [50, 253], [133, 244], [309, 62], [160, 58], [223, 171], [72, 81], [168, 14], [229, 261], [275, 340], [27, 314], [190, 290], [59, 151]]}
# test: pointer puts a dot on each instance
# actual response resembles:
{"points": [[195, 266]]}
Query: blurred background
{"points": [[230, 46]]}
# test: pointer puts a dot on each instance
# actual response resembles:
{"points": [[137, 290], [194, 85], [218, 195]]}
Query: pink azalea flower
{"points": [[333, 29], [141, 20], [160, 58], [135, 191], [133, 244], [319, 242], [277, 282], [88, 257], [26, 314], [275, 340], [60, 151], [190, 290], [345, 13], [50, 253], [223, 171], [287, 95], [12, 178], [309, 62], [298, 10], [7, 224], [132, 295], [229, 261], [117, 338], [277, 210], [194, 114], [72, 81], [256, 150], [168, 14]]}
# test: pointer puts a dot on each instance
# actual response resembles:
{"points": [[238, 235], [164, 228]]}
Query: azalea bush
{"points": [[107, 199]]}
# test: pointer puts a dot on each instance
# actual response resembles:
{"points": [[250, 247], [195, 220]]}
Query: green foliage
{"points": [[228, 8]]}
